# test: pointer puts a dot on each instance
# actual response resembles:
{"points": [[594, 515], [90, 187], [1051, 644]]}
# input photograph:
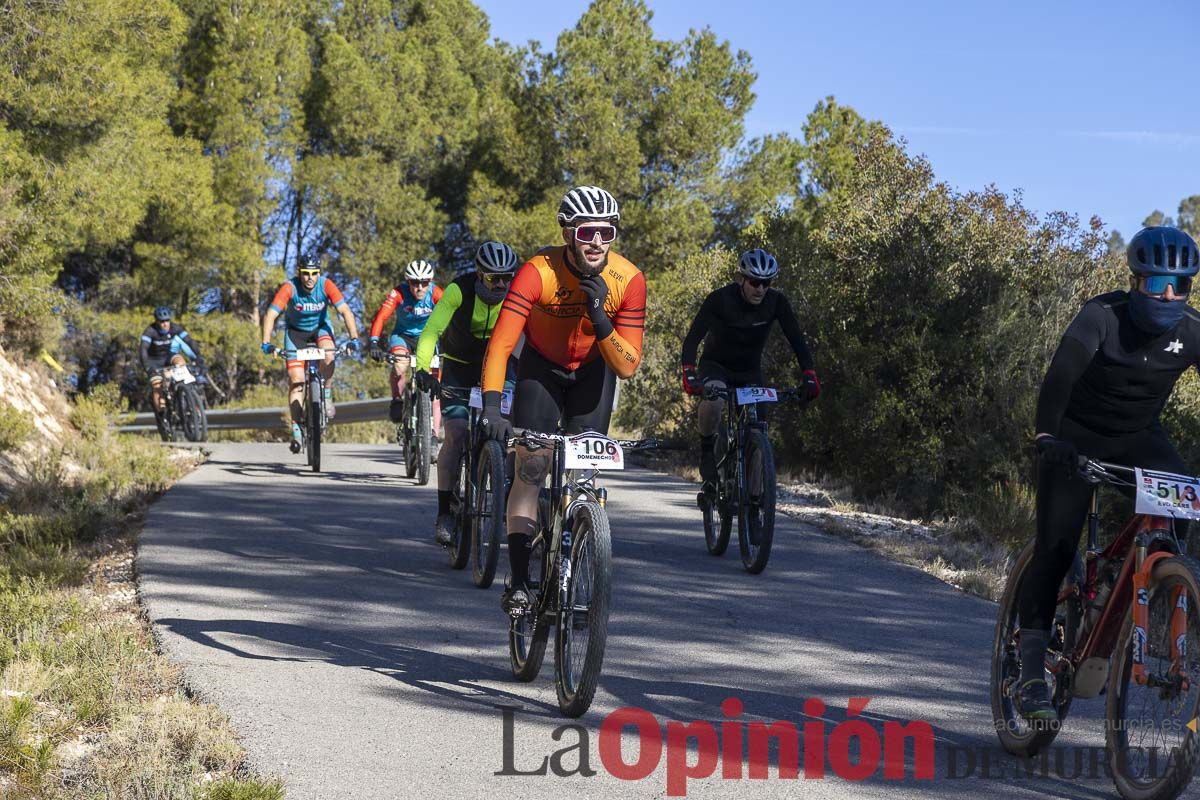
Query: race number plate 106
{"points": [[593, 451], [1165, 494], [756, 394]]}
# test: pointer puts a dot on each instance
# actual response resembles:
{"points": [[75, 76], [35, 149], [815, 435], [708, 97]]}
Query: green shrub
{"points": [[15, 427]]}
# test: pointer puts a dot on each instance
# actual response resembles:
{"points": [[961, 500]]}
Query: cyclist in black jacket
{"points": [[163, 343], [1102, 395], [734, 322]]}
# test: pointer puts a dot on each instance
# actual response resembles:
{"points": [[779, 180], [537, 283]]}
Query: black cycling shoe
{"points": [[396, 410], [1032, 701], [516, 600], [707, 495]]}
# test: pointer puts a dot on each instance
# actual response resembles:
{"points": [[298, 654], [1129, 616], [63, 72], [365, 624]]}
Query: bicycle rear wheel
{"points": [[487, 517], [460, 506], [1017, 735], [1154, 752], [583, 619], [756, 513], [527, 633], [313, 422]]}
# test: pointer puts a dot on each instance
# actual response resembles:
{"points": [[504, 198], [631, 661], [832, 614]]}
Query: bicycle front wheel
{"points": [[191, 412], [460, 506], [313, 420], [583, 619], [1154, 752], [424, 437], [487, 516], [756, 509]]}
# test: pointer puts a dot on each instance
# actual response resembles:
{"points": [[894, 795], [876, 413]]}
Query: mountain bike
{"points": [[479, 493], [571, 557], [314, 418], [414, 433], [745, 476], [1126, 624], [183, 411]]}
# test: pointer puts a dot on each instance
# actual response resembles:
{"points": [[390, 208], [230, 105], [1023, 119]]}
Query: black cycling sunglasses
{"points": [[756, 283], [498, 280]]}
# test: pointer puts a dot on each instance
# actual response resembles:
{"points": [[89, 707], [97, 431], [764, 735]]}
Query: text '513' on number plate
{"points": [[1165, 494], [593, 451], [756, 394]]}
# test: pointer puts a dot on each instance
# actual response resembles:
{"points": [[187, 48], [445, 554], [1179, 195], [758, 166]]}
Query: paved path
{"points": [[317, 611]]}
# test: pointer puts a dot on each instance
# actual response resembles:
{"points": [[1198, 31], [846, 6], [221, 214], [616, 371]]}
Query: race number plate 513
{"points": [[1165, 494], [593, 451]]}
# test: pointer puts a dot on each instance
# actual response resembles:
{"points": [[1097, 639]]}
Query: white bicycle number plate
{"points": [[434, 362], [593, 451], [182, 374], [748, 395], [309, 354], [505, 399], [1165, 494]]}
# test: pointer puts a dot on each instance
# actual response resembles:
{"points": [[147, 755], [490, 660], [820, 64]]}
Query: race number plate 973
{"points": [[1165, 494], [593, 451], [756, 394]]}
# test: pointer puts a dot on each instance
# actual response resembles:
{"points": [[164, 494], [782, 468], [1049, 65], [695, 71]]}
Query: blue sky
{"points": [[1087, 107]]}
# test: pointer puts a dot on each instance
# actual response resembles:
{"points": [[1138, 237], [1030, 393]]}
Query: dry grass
{"points": [[88, 707]]}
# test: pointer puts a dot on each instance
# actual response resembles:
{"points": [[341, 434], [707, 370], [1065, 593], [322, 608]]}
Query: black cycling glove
{"points": [[495, 426], [596, 290], [1057, 452]]}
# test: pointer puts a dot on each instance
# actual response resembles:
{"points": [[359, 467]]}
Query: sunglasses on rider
{"points": [[309, 273], [1157, 284], [495, 281], [419, 284], [585, 234], [755, 283]]}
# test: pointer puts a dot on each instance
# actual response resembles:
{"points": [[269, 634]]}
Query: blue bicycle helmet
{"points": [[1162, 250], [162, 313]]}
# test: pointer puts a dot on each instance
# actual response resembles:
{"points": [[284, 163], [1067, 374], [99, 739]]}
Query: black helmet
{"points": [[162, 314], [1162, 250], [495, 258]]}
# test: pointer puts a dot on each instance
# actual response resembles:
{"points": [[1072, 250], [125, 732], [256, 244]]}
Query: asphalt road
{"points": [[317, 611]]}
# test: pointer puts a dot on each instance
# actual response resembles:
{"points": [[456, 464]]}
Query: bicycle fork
{"points": [[1143, 567]]}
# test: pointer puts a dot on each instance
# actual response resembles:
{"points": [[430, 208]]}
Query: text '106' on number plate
{"points": [[593, 451]]}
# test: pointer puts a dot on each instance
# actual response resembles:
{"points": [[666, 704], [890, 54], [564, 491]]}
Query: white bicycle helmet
{"points": [[587, 202], [758, 264], [495, 258], [419, 270]]}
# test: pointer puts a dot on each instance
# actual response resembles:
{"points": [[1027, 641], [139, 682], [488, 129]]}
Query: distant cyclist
{"points": [[412, 302], [734, 322], [163, 343], [582, 309], [462, 322], [1102, 396], [304, 303]]}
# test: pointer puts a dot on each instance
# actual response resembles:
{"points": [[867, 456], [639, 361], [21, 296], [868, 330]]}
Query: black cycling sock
{"points": [[518, 558], [443, 502], [1033, 654]]}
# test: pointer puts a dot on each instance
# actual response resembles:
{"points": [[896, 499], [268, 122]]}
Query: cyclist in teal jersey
{"points": [[304, 303]]}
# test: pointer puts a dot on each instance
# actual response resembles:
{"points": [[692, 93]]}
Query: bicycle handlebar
{"points": [[534, 440], [717, 393]]}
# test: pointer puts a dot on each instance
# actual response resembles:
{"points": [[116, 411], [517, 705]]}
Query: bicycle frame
{"points": [[1138, 535]]}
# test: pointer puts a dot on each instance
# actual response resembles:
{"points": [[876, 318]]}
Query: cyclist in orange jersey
{"points": [[582, 308]]}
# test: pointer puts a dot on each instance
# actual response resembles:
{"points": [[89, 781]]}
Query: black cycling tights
{"points": [[1062, 506]]}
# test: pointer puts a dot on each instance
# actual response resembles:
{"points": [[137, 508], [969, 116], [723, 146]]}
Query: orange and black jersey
{"points": [[546, 303]]}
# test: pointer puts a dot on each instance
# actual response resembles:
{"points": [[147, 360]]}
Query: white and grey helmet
{"points": [[587, 202], [495, 258], [758, 264], [419, 270]]}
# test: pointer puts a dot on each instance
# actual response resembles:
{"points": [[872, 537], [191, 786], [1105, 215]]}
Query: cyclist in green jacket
{"points": [[462, 320]]}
